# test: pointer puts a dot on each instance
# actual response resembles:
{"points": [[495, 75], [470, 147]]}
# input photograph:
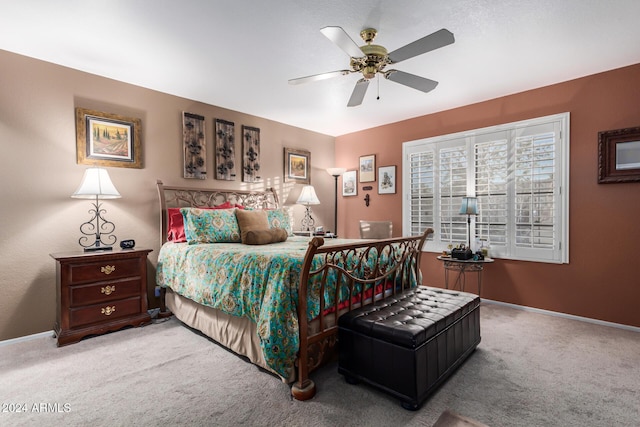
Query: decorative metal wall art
{"points": [[250, 154], [225, 150], [194, 146], [104, 139]]}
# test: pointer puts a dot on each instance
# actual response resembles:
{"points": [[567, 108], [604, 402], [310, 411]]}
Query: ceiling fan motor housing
{"points": [[375, 60]]}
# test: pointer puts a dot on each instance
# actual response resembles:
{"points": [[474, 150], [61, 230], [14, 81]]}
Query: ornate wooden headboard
{"points": [[179, 197]]}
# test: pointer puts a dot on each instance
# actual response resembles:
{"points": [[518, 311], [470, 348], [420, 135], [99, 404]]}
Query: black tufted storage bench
{"points": [[408, 344]]}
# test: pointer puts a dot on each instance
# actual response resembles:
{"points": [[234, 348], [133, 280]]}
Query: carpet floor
{"points": [[529, 370]]}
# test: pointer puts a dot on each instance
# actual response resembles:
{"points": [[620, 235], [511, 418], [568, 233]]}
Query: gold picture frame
{"points": [[297, 166], [110, 140]]}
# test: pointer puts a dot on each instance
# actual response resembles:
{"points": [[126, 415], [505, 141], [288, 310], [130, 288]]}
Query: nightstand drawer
{"points": [[104, 270], [93, 294], [105, 311]]}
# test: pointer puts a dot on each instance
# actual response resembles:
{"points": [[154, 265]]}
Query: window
{"points": [[519, 172]]}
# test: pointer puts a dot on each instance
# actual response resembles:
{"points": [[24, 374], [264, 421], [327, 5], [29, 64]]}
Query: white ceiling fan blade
{"points": [[411, 80], [318, 77], [358, 93], [338, 36], [426, 44]]}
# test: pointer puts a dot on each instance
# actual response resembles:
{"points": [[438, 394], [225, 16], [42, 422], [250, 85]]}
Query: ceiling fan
{"points": [[371, 60]]}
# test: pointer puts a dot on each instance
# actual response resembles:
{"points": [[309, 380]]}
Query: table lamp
{"points": [[469, 207], [308, 197], [97, 185]]}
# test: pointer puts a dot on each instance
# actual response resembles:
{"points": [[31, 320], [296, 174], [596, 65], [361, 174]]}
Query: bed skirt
{"points": [[237, 334]]}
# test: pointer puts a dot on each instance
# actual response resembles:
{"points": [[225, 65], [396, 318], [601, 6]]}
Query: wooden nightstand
{"points": [[98, 292]]}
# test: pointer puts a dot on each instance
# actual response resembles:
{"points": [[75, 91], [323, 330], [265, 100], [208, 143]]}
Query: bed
{"points": [[275, 303]]}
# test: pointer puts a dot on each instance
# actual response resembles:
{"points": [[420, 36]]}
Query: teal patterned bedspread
{"points": [[258, 282]]}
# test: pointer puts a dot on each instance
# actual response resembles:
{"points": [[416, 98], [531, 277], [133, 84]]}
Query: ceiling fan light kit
{"points": [[370, 60]]}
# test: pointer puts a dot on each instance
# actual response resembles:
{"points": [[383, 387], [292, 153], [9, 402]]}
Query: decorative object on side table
{"points": [[469, 207], [308, 197], [100, 292], [127, 244], [335, 173], [97, 184]]}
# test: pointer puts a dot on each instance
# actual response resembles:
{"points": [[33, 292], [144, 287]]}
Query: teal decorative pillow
{"points": [[210, 226], [280, 218]]}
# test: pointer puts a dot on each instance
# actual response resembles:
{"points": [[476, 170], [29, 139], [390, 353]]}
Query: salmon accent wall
{"points": [[601, 280]]}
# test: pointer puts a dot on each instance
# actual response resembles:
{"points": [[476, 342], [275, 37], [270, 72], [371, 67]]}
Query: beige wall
{"points": [[39, 174], [601, 280]]}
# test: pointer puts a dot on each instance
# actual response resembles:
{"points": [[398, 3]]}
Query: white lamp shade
{"points": [[469, 206], [308, 196], [96, 183], [336, 171]]}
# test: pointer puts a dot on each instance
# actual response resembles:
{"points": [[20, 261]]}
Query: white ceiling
{"points": [[239, 54]]}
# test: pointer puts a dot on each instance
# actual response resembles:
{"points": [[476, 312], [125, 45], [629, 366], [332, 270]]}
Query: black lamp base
{"points": [[98, 249]]}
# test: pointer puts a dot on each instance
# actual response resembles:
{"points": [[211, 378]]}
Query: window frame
{"points": [[559, 123]]}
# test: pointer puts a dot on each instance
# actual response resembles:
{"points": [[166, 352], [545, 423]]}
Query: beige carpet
{"points": [[529, 370], [451, 419]]}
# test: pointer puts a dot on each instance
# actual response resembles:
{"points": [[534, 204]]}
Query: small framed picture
{"points": [[350, 183], [297, 166], [104, 139], [368, 168], [619, 156], [387, 180]]}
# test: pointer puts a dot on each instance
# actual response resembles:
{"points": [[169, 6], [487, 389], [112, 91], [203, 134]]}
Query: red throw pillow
{"points": [[175, 221]]}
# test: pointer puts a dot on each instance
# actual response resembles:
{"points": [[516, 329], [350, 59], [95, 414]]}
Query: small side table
{"points": [[462, 267], [100, 292]]}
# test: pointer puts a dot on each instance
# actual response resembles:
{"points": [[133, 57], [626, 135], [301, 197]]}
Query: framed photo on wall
{"points": [[104, 139], [387, 180], [297, 166], [619, 156], [350, 183], [368, 168]]}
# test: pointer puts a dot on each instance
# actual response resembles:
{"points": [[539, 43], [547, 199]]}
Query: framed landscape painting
{"points": [[297, 166], [104, 139]]}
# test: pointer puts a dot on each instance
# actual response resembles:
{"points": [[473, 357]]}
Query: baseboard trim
{"points": [[564, 315], [26, 338]]}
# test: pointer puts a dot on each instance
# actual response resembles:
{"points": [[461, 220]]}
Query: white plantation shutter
{"points": [[491, 181], [519, 172], [421, 189], [453, 187]]}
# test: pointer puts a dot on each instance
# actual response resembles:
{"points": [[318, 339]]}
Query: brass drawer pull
{"points": [[108, 290], [108, 310], [108, 269]]}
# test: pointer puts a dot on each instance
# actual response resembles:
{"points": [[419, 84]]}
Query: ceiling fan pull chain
{"points": [[378, 78]]}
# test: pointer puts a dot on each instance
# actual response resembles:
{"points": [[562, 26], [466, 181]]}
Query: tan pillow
{"points": [[264, 237], [251, 220]]}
